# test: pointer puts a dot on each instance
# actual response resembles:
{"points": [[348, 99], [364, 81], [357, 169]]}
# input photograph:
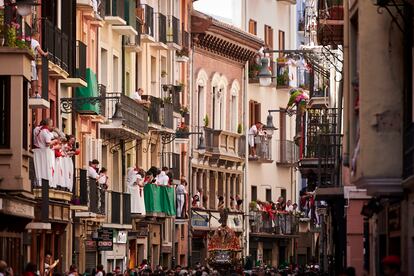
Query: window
{"points": [[268, 195], [281, 41], [268, 36], [115, 78], [234, 104], [282, 136], [5, 111], [254, 112], [104, 67], [252, 27], [254, 193], [283, 193]]}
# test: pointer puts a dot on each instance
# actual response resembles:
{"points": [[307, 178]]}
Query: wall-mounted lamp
{"points": [[117, 118], [265, 75]]}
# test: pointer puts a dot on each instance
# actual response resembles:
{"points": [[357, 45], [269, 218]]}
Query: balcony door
{"points": [[218, 108]]}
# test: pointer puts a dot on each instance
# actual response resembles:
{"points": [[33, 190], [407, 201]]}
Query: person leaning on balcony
{"points": [[137, 96], [162, 178], [93, 169], [253, 133], [43, 155], [220, 205], [35, 46], [239, 203]]}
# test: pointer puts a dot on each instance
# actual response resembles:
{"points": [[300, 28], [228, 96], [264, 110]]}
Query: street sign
{"points": [[105, 240]]}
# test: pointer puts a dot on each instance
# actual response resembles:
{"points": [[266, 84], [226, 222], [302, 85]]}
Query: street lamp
{"points": [[24, 7], [265, 75], [117, 118], [270, 127]]}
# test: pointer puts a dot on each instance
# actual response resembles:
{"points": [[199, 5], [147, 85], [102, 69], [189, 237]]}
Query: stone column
{"points": [[207, 192]]}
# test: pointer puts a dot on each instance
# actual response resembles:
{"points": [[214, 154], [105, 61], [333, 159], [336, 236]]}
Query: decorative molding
{"points": [[380, 186]]}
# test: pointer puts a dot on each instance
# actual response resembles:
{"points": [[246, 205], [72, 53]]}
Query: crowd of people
{"points": [[52, 156]]}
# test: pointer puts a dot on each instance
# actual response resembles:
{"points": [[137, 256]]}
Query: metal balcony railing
{"points": [[90, 194], [80, 68], [319, 121], [176, 101], [146, 14], [115, 8], [162, 28], [56, 43], [185, 38], [115, 207], [329, 159], [263, 144], [161, 112], [135, 115], [173, 30], [172, 161], [276, 223], [408, 163], [287, 152]]}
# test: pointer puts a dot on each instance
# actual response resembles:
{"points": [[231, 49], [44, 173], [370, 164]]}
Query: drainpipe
{"points": [[246, 161]]}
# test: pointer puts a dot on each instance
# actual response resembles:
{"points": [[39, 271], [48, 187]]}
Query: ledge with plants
{"points": [[182, 131]]}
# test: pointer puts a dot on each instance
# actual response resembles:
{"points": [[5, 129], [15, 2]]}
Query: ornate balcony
{"points": [[146, 15], [330, 29], [161, 112], [262, 224], [222, 144]]}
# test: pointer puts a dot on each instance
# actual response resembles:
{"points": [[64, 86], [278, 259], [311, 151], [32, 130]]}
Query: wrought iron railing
{"points": [[173, 29], [162, 28], [135, 115], [274, 223], [329, 160], [89, 193], [80, 68], [408, 163], [175, 96], [263, 145], [147, 18], [161, 112], [287, 152], [126, 210], [115, 207], [185, 38], [328, 31], [115, 8], [318, 121], [172, 161], [56, 43]]}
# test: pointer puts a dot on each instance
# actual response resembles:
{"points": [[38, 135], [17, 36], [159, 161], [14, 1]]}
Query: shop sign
{"points": [[105, 240], [121, 237], [90, 245]]}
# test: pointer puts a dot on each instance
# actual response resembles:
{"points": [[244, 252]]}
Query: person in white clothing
{"points": [[135, 182], [137, 96], [162, 178], [93, 169], [181, 193], [43, 154], [35, 46], [253, 133], [289, 206]]}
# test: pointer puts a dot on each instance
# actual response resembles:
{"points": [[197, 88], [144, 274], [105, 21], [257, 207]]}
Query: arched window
{"points": [[234, 106], [216, 106], [200, 104]]}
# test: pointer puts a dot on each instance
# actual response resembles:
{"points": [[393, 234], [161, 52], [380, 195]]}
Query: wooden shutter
{"points": [[257, 111], [252, 27]]}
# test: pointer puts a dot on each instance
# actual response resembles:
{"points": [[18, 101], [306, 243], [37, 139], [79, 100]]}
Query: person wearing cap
{"points": [[254, 132], [391, 265]]}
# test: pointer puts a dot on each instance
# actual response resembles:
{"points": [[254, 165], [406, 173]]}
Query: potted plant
{"points": [[206, 121], [254, 70], [239, 129], [183, 110], [163, 74], [183, 52], [182, 131], [179, 87], [167, 100]]}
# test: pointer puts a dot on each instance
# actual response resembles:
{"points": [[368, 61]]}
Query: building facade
{"points": [[218, 113]]}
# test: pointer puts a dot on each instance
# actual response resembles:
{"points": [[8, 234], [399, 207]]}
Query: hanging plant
{"points": [[206, 121], [239, 129]]}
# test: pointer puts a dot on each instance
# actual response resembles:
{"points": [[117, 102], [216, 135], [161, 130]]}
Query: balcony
{"points": [[282, 75], [78, 74], [263, 145], [54, 193], [172, 161], [43, 101], [221, 144], [182, 55], [175, 96], [277, 225], [159, 200], [134, 115], [208, 220], [146, 15], [56, 43], [287, 153], [161, 44], [90, 198], [161, 112], [133, 43], [173, 36], [330, 27], [113, 12]]}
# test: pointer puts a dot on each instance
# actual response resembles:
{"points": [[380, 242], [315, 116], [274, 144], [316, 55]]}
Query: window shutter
{"points": [[257, 112]]}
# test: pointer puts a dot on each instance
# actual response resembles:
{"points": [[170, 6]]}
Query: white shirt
{"points": [[253, 130], [99, 273], [92, 173], [103, 178], [136, 96], [163, 178], [33, 45], [44, 137], [289, 208]]}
